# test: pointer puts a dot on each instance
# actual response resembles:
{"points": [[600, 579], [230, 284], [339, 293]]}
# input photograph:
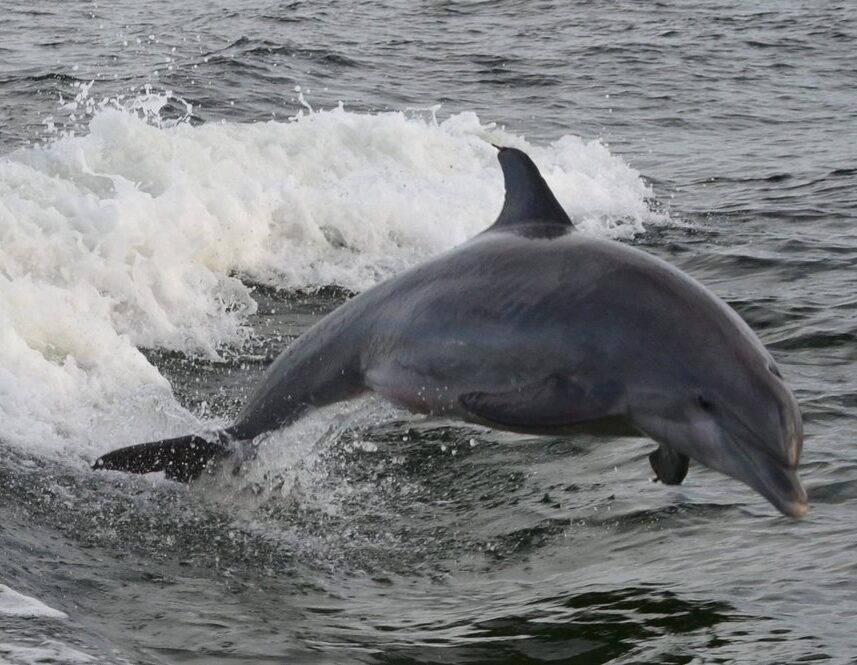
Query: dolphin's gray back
{"points": [[509, 311], [478, 318]]}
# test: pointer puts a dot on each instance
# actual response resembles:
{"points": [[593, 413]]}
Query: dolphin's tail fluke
{"points": [[182, 458]]}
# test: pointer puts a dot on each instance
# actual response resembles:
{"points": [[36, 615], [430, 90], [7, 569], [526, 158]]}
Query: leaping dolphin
{"points": [[533, 328]]}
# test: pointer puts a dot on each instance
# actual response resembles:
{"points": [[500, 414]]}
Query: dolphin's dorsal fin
{"points": [[529, 200]]}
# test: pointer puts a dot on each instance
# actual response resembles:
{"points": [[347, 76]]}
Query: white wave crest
{"points": [[16, 604]]}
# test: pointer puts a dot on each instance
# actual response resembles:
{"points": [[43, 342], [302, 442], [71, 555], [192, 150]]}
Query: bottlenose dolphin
{"points": [[532, 327]]}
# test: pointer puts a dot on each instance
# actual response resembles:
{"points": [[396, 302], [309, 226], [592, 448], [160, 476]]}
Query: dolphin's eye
{"points": [[704, 404]]}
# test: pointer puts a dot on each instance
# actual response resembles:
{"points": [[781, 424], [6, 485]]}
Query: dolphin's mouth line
{"points": [[792, 500], [763, 463]]}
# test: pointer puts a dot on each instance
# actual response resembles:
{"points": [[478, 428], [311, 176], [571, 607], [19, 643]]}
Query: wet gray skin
{"points": [[534, 328]]}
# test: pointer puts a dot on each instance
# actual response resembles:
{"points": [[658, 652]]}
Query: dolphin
{"points": [[532, 327]]}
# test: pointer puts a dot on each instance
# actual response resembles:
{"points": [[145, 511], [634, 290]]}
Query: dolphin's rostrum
{"points": [[534, 328]]}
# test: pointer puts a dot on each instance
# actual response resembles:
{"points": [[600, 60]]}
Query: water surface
{"points": [[181, 194]]}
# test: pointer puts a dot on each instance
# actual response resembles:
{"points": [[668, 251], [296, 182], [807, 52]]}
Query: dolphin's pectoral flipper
{"points": [[182, 459], [669, 465], [555, 402]]}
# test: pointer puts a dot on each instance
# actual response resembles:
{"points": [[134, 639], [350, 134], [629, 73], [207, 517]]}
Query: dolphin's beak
{"points": [[777, 482], [782, 487]]}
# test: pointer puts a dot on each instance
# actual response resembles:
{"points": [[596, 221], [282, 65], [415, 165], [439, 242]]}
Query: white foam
{"points": [[17, 604], [132, 236]]}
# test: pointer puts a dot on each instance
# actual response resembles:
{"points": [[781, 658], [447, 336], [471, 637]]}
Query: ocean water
{"points": [[186, 187]]}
